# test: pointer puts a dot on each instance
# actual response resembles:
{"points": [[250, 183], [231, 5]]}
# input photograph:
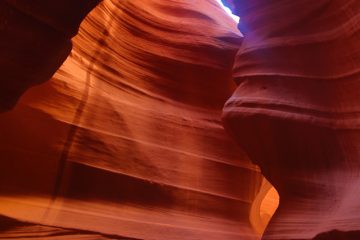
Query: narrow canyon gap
{"points": [[125, 140]]}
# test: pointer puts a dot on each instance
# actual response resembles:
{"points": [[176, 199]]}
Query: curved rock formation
{"points": [[35, 41], [296, 111], [126, 138]]}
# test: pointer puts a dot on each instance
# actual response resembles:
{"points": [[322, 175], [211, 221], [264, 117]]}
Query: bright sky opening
{"points": [[228, 11]]}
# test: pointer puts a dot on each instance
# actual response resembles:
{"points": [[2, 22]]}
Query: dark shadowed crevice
{"points": [[338, 235]]}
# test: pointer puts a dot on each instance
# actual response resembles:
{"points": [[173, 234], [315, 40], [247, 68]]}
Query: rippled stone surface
{"points": [[296, 111], [126, 139]]}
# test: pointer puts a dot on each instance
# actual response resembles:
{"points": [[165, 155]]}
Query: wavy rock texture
{"points": [[296, 111], [126, 138]]}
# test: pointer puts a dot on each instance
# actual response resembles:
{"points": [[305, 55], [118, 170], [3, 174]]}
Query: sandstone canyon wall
{"points": [[296, 111], [125, 140]]}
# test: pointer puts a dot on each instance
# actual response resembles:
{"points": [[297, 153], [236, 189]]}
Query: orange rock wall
{"points": [[126, 138]]}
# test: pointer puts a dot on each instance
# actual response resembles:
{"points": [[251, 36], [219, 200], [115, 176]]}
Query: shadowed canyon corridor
{"points": [[168, 120]]}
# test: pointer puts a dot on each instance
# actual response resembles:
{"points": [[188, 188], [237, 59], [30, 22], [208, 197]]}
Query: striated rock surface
{"points": [[296, 111], [126, 139], [12, 229]]}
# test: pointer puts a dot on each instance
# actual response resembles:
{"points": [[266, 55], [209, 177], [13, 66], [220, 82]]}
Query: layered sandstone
{"points": [[296, 111], [125, 140]]}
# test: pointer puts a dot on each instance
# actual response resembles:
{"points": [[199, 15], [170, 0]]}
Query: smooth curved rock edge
{"points": [[35, 42], [128, 131], [296, 111]]}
